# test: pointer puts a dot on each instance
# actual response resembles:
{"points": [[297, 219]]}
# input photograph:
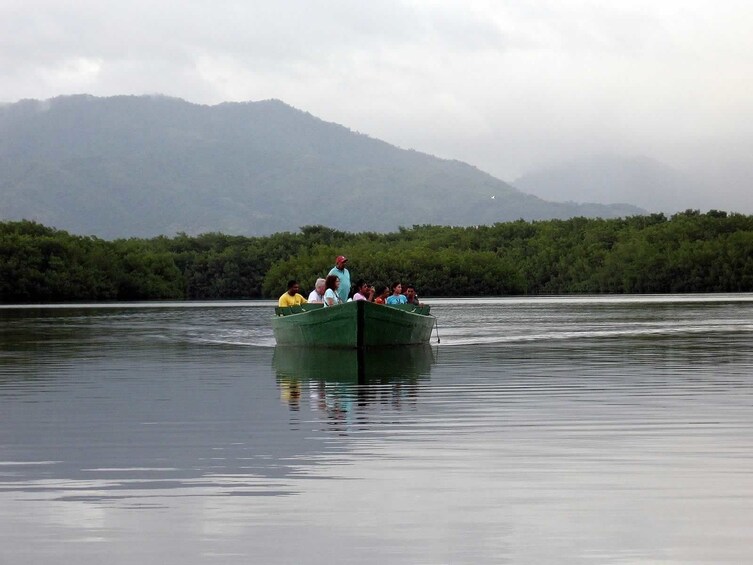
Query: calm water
{"points": [[549, 430]]}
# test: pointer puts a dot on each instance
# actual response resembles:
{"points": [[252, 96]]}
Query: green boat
{"points": [[353, 324], [362, 366]]}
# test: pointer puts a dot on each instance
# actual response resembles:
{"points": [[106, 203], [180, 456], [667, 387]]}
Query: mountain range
{"points": [[606, 178], [128, 166]]}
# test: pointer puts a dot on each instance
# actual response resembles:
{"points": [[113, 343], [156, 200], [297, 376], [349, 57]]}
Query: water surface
{"points": [[546, 430]]}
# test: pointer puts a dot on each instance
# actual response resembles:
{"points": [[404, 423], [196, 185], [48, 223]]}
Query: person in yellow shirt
{"points": [[291, 297]]}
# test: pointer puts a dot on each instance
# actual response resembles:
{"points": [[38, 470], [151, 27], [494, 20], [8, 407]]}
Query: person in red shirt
{"points": [[381, 298]]}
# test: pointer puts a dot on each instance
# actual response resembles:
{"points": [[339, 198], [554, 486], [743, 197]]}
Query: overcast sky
{"points": [[506, 85]]}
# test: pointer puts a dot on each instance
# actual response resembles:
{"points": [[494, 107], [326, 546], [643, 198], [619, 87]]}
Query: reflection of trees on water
{"points": [[344, 387]]}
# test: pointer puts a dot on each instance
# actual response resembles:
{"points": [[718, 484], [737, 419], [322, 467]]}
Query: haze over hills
{"points": [[143, 166], [639, 180]]}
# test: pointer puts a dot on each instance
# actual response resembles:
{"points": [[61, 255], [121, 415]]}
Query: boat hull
{"points": [[354, 324], [353, 365]]}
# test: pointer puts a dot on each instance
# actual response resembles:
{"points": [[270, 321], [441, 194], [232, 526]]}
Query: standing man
{"points": [[343, 274], [291, 297]]}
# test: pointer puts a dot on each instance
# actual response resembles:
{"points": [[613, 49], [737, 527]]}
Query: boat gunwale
{"points": [[395, 325]]}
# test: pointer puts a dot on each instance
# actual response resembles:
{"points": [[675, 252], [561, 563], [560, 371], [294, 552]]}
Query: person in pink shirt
{"points": [[364, 291]]}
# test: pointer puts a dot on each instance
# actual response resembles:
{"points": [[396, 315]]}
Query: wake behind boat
{"points": [[353, 324]]}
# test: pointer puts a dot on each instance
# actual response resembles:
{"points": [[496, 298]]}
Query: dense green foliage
{"points": [[689, 252]]}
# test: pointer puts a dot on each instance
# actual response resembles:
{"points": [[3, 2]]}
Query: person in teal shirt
{"points": [[342, 273], [397, 297]]}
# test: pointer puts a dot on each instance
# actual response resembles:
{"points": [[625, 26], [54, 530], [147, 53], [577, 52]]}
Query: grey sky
{"points": [[504, 85]]}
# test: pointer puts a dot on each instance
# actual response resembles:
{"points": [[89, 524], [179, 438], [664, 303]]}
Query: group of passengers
{"points": [[335, 289]]}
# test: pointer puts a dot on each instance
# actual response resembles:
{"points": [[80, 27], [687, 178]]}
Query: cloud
{"points": [[503, 85]]}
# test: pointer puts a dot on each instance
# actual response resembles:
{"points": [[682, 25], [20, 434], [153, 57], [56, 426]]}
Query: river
{"points": [[538, 430]]}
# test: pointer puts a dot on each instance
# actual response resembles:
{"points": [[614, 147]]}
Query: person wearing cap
{"points": [[342, 273], [291, 297]]}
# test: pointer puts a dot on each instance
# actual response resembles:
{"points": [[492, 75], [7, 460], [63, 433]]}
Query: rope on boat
{"points": [[436, 327]]}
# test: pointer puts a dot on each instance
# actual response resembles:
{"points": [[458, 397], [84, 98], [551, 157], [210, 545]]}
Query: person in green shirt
{"points": [[342, 273]]}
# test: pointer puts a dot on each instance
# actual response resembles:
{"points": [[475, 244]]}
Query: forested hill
{"points": [[689, 252], [143, 166]]}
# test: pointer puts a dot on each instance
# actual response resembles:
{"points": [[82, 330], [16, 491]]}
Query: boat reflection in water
{"points": [[339, 382]]}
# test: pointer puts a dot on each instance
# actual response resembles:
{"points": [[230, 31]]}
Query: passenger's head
{"points": [[410, 292], [384, 291], [362, 286], [319, 286], [332, 282], [340, 261], [293, 287], [397, 288]]}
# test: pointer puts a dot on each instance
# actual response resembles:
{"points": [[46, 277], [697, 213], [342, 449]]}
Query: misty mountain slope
{"points": [[609, 179], [142, 166]]}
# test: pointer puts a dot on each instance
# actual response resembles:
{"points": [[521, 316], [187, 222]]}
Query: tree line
{"points": [[687, 252]]}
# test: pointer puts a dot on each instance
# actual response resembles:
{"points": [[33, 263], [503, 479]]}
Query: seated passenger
{"points": [[381, 297], [364, 291], [291, 297], [396, 297], [331, 295], [411, 296], [317, 295]]}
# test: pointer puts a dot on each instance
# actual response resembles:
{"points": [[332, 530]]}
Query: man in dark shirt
{"points": [[410, 294]]}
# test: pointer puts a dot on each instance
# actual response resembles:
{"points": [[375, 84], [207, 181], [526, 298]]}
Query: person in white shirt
{"points": [[331, 296], [317, 295]]}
